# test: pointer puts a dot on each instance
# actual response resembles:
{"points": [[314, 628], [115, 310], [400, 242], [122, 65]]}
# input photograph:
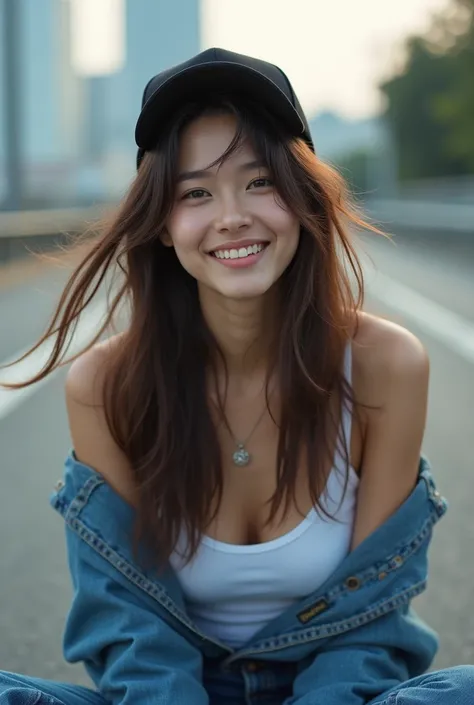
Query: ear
{"points": [[165, 238]]}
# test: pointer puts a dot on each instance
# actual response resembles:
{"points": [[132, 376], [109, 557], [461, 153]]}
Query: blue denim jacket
{"points": [[352, 639]]}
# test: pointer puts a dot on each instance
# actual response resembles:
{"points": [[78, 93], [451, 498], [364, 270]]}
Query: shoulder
{"points": [[387, 357], [86, 376], [92, 439], [391, 374], [391, 380]]}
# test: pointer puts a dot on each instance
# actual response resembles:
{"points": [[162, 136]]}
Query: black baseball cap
{"points": [[215, 70]]}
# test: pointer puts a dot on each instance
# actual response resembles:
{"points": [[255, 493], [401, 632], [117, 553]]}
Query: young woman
{"points": [[247, 511]]}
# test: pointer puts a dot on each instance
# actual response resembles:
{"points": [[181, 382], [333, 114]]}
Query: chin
{"points": [[246, 287], [245, 295], [243, 292]]}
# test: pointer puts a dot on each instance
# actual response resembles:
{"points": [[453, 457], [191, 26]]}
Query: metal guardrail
{"points": [[19, 231], [426, 214], [450, 189], [454, 218], [47, 222], [26, 231]]}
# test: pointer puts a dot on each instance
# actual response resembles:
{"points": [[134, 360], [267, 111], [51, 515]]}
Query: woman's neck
{"points": [[244, 330]]}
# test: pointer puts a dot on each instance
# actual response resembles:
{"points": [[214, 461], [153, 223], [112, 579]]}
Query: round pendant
{"points": [[241, 457]]}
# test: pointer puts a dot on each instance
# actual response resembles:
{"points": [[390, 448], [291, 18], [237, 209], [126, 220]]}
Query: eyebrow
{"points": [[205, 173]]}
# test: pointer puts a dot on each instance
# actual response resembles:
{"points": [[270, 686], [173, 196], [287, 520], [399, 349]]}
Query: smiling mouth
{"points": [[239, 253]]}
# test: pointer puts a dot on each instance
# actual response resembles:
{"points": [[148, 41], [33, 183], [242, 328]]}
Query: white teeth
{"points": [[241, 252]]}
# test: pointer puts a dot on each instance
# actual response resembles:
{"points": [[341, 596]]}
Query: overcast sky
{"points": [[333, 51]]}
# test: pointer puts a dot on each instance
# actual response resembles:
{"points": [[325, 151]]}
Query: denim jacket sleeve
{"points": [[131, 653], [355, 668]]}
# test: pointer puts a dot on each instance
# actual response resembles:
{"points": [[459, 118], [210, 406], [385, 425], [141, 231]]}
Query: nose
{"points": [[233, 217]]}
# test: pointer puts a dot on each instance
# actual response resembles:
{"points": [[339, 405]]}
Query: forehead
{"points": [[206, 139]]}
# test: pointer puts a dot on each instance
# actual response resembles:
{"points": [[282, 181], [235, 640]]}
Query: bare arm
{"points": [[91, 437], [394, 376]]}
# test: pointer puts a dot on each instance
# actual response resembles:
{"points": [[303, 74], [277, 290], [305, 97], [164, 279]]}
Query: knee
{"points": [[462, 675], [15, 690], [457, 681]]}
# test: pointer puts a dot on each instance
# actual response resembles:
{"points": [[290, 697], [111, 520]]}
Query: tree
{"points": [[354, 167], [454, 109], [430, 103]]}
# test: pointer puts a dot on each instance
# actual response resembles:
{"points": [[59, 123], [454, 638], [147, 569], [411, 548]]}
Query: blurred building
{"points": [[77, 132]]}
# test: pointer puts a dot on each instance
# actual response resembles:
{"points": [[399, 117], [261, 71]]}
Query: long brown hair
{"points": [[156, 389]]}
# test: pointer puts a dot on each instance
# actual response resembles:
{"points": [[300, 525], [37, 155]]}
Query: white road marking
{"points": [[444, 325], [89, 324]]}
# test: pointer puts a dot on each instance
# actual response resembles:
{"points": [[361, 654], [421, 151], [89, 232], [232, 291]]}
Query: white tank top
{"points": [[232, 591]]}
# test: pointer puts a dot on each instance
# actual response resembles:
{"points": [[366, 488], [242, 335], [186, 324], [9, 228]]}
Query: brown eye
{"points": [[196, 193], [261, 183]]}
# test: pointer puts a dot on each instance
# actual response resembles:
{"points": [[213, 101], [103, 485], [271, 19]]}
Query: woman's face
{"points": [[228, 228]]}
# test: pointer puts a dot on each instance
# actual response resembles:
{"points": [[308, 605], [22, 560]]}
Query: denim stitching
{"points": [[277, 644], [300, 637], [369, 576], [135, 576], [83, 497], [316, 634], [74, 507]]}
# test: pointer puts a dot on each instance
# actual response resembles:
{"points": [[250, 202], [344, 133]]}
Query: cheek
{"points": [[282, 221], [186, 228]]}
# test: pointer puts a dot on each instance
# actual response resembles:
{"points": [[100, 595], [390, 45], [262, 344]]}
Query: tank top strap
{"points": [[348, 362], [346, 411]]}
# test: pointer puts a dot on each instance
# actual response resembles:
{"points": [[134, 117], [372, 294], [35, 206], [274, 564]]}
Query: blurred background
{"points": [[389, 92]]}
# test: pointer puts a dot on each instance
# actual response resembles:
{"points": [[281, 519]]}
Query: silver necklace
{"points": [[241, 457]]}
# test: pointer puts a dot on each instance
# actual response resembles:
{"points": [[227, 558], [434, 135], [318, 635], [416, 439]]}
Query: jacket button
{"points": [[59, 485], [252, 667], [398, 560], [382, 575], [353, 583]]}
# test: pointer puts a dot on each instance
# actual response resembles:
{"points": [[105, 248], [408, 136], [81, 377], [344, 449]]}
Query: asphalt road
{"points": [[423, 282]]}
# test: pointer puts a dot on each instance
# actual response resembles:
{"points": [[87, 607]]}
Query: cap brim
{"points": [[196, 81]]}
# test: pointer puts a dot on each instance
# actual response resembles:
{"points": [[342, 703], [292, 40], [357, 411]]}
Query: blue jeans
{"points": [[453, 686]]}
